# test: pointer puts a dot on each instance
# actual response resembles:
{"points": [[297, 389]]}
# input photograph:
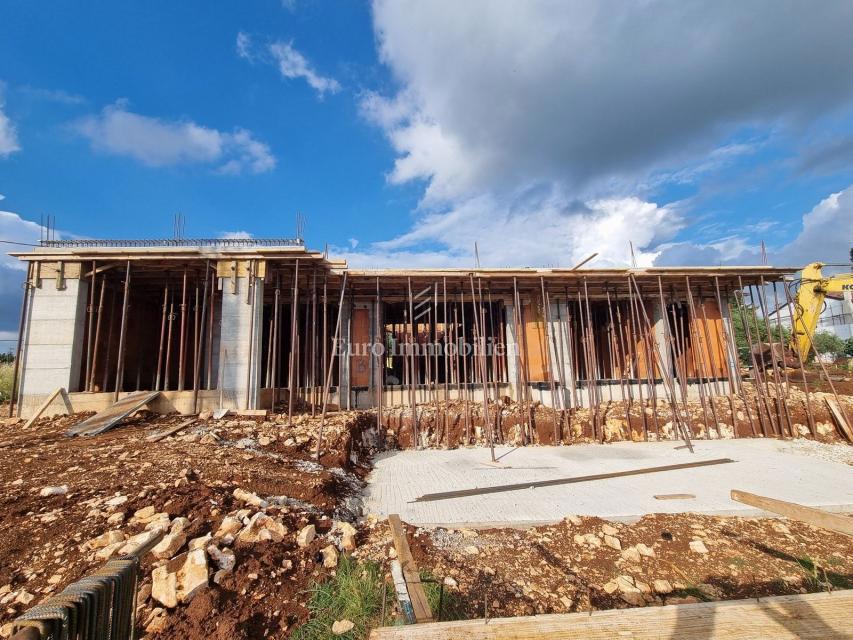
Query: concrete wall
{"points": [[53, 342], [239, 337]]}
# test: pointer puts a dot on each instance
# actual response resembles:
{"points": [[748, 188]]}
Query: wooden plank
{"points": [[156, 437], [675, 496], [112, 415], [817, 517], [402, 591], [462, 493], [814, 616], [839, 418], [44, 405], [360, 343], [534, 332], [410, 570]]}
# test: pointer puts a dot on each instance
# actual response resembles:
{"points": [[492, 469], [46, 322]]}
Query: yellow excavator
{"points": [[813, 290]]}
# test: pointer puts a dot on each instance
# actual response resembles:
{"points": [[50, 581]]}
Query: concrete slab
{"points": [[774, 468]]}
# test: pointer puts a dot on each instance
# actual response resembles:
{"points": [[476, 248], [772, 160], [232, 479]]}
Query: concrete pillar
{"points": [[53, 339], [512, 349], [659, 324], [239, 344]]}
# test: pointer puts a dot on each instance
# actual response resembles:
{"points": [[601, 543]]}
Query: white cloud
{"points": [[600, 95], [536, 230], [156, 142], [293, 65], [235, 235], [244, 45], [8, 134], [12, 270], [824, 236]]}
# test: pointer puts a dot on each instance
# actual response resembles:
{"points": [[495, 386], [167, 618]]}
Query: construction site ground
{"points": [[252, 484]]}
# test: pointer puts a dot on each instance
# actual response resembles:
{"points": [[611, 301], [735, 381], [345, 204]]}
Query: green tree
{"points": [[848, 347], [828, 343], [757, 330]]}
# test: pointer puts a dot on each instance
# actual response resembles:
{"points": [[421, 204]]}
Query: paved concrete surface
{"points": [[766, 467]]}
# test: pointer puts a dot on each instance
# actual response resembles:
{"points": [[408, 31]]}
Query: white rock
{"points": [[169, 545], [164, 586], [199, 543], [330, 556], [662, 587], [139, 540], [224, 558], [229, 525], [340, 627], [250, 498], [306, 535], [698, 546], [613, 542], [262, 528], [54, 491], [116, 501], [105, 539], [192, 576]]}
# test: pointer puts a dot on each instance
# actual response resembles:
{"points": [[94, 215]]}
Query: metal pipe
{"points": [[250, 359], [197, 367], [808, 401], [546, 319]]}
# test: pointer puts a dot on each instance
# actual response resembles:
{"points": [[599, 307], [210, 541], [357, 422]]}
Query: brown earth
{"points": [[194, 474], [512, 572]]}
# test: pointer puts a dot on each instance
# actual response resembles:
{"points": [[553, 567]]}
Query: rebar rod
{"points": [[162, 345], [328, 381], [808, 402], [90, 383]]}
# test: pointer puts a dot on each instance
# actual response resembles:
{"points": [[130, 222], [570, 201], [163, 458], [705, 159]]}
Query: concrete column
{"points": [[239, 350], [659, 323], [512, 348], [53, 340]]}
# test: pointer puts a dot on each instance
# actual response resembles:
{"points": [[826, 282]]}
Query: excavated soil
{"points": [[194, 473], [551, 569]]}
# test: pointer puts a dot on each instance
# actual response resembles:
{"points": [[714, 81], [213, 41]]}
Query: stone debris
{"points": [[306, 535], [262, 528], [330, 556], [340, 627], [54, 491], [698, 546], [105, 539], [180, 579], [230, 525], [169, 545], [250, 498]]}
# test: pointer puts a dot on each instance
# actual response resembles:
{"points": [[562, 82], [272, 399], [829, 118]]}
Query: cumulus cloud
{"points": [[293, 65], [595, 93], [235, 235], [157, 143], [13, 271], [824, 236], [8, 134], [244, 45], [533, 230]]}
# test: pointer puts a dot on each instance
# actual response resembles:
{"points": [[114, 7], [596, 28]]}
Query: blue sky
{"points": [[406, 131]]}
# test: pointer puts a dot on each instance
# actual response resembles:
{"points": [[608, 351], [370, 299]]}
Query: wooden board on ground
{"points": [[47, 403], [675, 496], [410, 570], [112, 415], [156, 437], [810, 515], [816, 615], [840, 420]]}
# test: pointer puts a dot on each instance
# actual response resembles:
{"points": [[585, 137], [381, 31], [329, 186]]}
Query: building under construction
{"points": [[249, 324]]}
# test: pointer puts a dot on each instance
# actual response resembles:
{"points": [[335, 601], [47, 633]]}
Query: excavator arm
{"points": [[814, 289]]}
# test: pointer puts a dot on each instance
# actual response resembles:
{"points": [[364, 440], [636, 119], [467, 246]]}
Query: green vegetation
{"points": [[452, 606], [354, 593], [5, 381], [819, 578], [829, 344], [757, 329]]}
